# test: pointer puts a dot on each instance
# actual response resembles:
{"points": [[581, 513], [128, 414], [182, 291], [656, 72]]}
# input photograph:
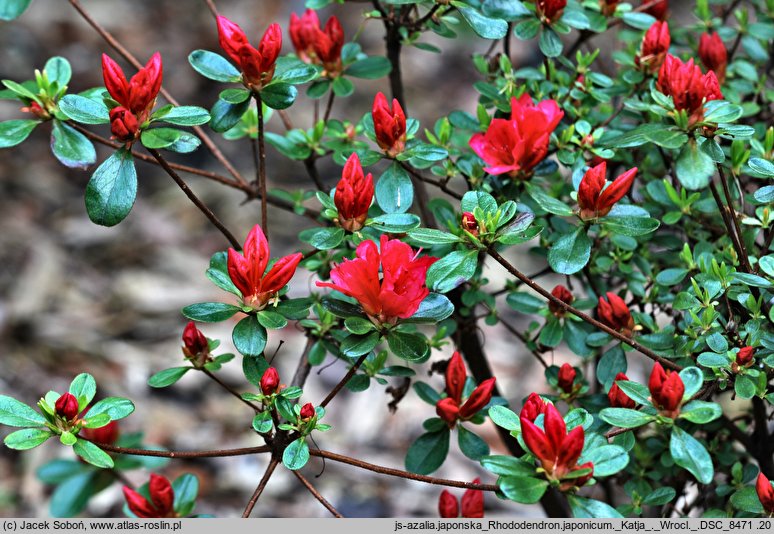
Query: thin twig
{"points": [[261, 485], [228, 388], [261, 168], [329, 106], [218, 453], [316, 494], [343, 381], [732, 213]]}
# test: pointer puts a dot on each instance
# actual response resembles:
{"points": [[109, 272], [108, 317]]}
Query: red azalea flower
{"points": [[138, 95], [162, 499], [563, 294], [270, 381], [307, 412], [533, 406], [594, 199], [654, 47], [400, 290], [666, 390], [195, 344], [66, 406], [745, 356], [317, 45], [302, 33], [566, 378], [248, 270], [687, 86], [257, 65], [765, 493], [451, 408], [617, 398], [714, 55], [516, 146], [389, 125], [615, 313], [658, 10], [551, 10], [354, 194]]}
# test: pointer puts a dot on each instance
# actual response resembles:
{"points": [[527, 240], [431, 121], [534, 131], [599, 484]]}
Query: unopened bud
{"points": [[67, 406]]}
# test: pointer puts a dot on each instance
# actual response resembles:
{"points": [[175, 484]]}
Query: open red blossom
{"points": [[654, 47], [556, 449], [162, 499], [194, 341], [666, 390], [563, 294], [248, 270], [713, 54], [451, 408], [745, 356], [399, 291], [566, 378], [472, 503], [594, 199], [354, 194], [617, 398], [257, 65], [765, 493], [533, 406], [658, 10], [66, 406], [138, 94], [516, 146], [687, 86], [389, 125], [270, 381], [615, 313], [551, 10], [317, 45]]}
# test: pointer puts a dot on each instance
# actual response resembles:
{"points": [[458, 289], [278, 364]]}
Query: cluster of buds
{"points": [[550, 11], [654, 47], [594, 199], [617, 398], [270, 382], [666, 391], [195, 345], [714, 55], [354, 194], [563, 294], [744, 358], [389, 125], [451, 408], [688, 87], [316, 45], [162, 499], [472, 503], [566, 380], [135, 98], [257, 64], [614, 313], [765, 493]]}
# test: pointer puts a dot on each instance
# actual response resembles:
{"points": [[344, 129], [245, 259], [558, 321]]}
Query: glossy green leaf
{"points": [[571, 253], [112, 189], [71, 147]]}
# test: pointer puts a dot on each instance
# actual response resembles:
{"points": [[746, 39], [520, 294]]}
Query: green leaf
{"points": [[67, 438], [187, 116], [296, 454], [213, 66], [625, 418], [744, 387], [407, 346], [279, 95], [550, 43], [218, 273], [471, 444], [611, 363], [14, 132], [26, 438], [631, 226], [527, 29], [358, 345], [11, 9], [585, 508], [429, 237], [548, 203], [761, 167], [691, 455], [170, 139], [700, 412], [340, 308], [524, 490], [452, 270], [694, 168], [671, 277], [507, 466], [551, 334], [209, 312], [639, 393], [343, 87], [112, 189], [271, 319], [428, 452], [525, 302], [186, 488], [225, 115], [486, 27], [98, 421], [58, 70], [395, 223], [358, 325], [249, 336], [433, 309], [83, 387], [262, 422], [84, 110], [478, 199], [235, 95], [505, 418], [712, 360], [746, 500], [327, 238], [167, 377], [292, 70], [426, 393], [71, 496], [692, 378], [92, 454], [394, 190], [607, 459], [658, 134], [115, 407], [16, 413], [660, 496], [570, 253], [71, 147], [721, 111], [641, 21], [369, 68]]}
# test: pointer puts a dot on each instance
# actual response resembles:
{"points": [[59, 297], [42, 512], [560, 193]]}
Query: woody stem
{"points": [[218, 453], [261, 485], [308, 485], [343, 381], [228, 388], [261, 165]]}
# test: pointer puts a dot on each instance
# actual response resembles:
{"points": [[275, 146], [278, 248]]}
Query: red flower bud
{"points": [[765, 493], [596, 200], [556, 449], [389, 125], [316, 45], [123, 124], [713, 54], [107, 434], [687, 86], [563, 294], [447, 505], [195, 343], [617, 398], [138, 95], [579, 482], [478, 399], [37, 110], [302, 33], [354, 194], [551, 10], [654, 47], [448, 410], [745, 356], [66, 406], [658, 10], [566, 379], [666, 390], [162, 496], [614, 313], [473, 502], [533, 406], [307, 411], [470, 223], [455, 377], [270, 381], [257, 65]]}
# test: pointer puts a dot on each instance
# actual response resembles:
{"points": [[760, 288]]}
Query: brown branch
{"points": [[261, 168], [261, 485], [744, 260], [316, 494], [219, 453], [343, 381], [329, 106], [228, 388], [211, 7]]}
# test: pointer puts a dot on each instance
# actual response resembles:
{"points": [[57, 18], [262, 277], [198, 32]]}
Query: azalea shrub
{"points": [[638, 170]]}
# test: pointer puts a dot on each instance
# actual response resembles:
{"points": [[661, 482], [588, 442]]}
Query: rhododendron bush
{"points": [[633, 158]]}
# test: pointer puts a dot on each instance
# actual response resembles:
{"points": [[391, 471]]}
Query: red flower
{"points": [[162, 499], [107, 434], [316, 45], [713, 54], [451, 408], [687, 86], [533, 406], [247, 270], [66, 406], [659, 10], [556, 449], [516, 146], [595, 202], [617, 398], [666, 390], [447, 505], [138, 95], [470, 224], [472, 503], [563, 294], [302, 33], [123, 124], [195, 343], [566, 378], [551, 10], [389, 125], [745, 356], [307, 412], [270, 381], [354, 194], [765, 493], [400, 290], [615, 313], [257, 65], [654, 47]]}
